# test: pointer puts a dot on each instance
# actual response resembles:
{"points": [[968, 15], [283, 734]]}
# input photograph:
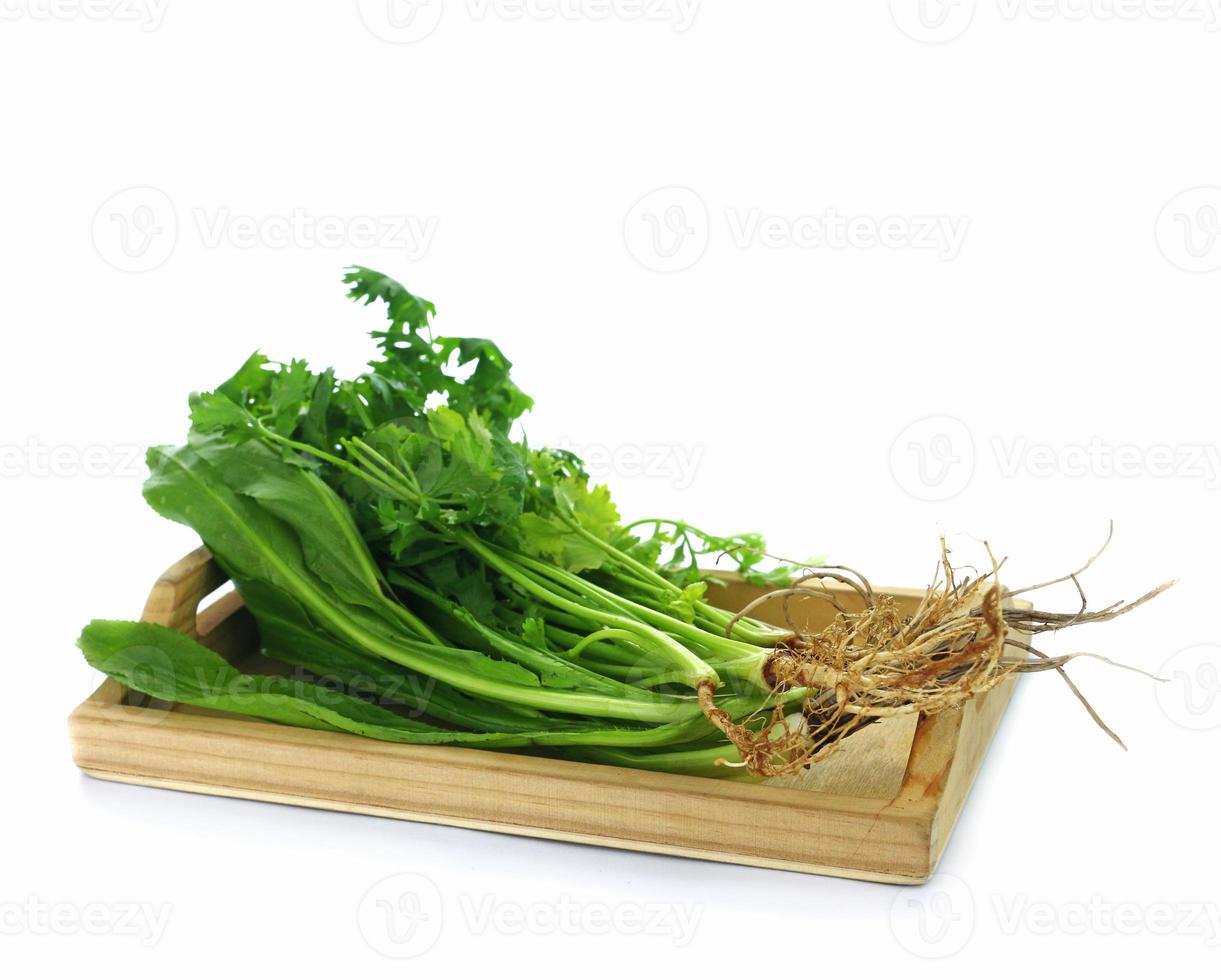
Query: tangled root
{"points": [[877, 663]]}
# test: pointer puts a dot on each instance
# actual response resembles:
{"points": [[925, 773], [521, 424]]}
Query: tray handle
{"points": [[177, 595]]}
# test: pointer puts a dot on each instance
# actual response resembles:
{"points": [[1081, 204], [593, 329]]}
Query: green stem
{"points": [[693, 668], [594, 637], [735, 649]]}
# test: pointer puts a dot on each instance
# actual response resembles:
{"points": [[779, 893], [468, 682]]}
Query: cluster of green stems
{"points": [[619, 641]]}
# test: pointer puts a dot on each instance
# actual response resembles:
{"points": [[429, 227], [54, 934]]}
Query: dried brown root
{"points": [[965, 637]]}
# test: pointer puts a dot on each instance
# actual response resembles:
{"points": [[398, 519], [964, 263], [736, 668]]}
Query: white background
{"points": [[1032, 262]]}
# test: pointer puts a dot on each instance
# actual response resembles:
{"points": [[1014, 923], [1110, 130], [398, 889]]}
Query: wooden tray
{"points": [[881, 809]]}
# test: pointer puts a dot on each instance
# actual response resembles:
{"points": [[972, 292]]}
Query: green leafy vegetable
{"points": [[437, 579]]}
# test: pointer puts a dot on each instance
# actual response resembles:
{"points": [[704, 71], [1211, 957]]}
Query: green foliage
{"points": [[387, 532]]}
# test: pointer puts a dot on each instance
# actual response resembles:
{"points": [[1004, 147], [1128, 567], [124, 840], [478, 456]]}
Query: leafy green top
{"points": [[416, 449]]}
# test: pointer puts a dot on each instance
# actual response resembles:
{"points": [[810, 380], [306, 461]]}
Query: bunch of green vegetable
{"points": [[435, 580], [391, 538]]}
